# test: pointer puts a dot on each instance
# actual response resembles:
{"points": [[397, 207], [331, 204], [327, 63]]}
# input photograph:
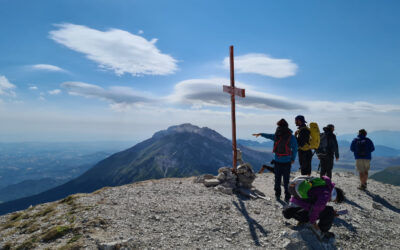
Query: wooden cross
{"points": [[232, 90]]}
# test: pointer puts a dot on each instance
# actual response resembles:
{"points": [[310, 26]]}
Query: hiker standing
{"points": [[328, 149], [285, 150], [309, 203], [362, 148], [303, 137]]}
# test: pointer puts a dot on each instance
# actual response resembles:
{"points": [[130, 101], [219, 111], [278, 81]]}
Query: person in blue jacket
{"points": [[362, 148], [285, 150]]}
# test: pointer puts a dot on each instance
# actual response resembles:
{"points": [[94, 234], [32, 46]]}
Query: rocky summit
{"points": [[178, 213]]}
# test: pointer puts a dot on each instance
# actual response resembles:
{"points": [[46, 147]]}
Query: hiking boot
{"points": [[278, 197], [287, 199], [362, 187]]}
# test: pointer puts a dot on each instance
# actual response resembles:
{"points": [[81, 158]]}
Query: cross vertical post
{"points": [[232, 90]]}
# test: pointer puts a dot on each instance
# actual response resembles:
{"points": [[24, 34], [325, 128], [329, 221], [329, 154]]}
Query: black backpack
{"points": [[282, 145], [323, 145], [362, 147]]}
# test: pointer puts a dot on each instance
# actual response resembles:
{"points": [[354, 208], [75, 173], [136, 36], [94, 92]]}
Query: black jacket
{"points": [[302, 136], [332, 148]]}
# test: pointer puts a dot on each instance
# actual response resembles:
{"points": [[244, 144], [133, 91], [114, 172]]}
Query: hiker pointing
{"points": [[285, 150]]}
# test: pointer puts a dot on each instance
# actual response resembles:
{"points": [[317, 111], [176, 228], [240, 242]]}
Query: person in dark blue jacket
{"points": [[362, 148], [285, 150]]}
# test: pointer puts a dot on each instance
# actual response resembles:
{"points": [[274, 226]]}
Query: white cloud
{"points": [[140, 32], [116, 50], [200, 93], [208, 92], [47, 67], [6, 87], [54, 92], [263, 65], [356, 106], [119, 97], [33, 88]]}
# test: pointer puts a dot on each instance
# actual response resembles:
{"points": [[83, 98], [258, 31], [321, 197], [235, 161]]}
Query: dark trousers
{"points": [[325, 217], [326, 163], [305, 158], [282, 170]]}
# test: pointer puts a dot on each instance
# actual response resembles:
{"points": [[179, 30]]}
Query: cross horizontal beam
{"points": [[234, 91]]}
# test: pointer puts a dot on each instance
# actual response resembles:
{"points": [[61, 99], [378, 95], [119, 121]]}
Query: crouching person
{"points": [[308, 203]]}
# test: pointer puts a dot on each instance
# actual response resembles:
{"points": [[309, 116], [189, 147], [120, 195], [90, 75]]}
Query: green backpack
{"points": [[300, 186]]}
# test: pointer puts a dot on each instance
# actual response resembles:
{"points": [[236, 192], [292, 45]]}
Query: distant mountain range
{"points": [[383, 137], [389, 175], [28, 188], [21, 161], [179, 151]]}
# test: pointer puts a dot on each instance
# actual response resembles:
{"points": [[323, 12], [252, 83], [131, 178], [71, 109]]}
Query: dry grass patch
{"points": [[13, 221], [28, 244], [75, 246], [47, 210], [75, 238], [7, 246], [33, 227], [56, 232], [100, 190], [16, 216]]}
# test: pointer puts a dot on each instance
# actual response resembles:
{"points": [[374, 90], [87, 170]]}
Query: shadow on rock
{"points": [[310, 241], [253, 224], [353, 204], [378, 199], [340, 222]]}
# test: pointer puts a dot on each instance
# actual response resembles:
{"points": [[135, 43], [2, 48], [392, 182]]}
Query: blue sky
{"points": [[121, 70]]}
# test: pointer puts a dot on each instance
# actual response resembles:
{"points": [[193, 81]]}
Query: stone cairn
{"points": [[228, 183]]}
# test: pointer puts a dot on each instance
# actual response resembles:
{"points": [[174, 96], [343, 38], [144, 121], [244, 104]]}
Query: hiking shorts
{"points": [[363, 165]]}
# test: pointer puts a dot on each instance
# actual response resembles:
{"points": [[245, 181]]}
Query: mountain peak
{"points": [[190, 128]]}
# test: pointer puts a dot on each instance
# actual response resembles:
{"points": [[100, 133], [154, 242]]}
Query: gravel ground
{"points": [[180, 214]]}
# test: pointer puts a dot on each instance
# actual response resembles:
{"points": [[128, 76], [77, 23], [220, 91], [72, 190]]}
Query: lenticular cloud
{"points": [[116, 50], [263, 65]]}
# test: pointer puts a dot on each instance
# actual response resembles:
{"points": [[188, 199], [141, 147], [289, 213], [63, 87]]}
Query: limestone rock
{"points": [[211, 182]]}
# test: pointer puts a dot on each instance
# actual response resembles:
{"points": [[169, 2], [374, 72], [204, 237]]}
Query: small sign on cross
{"points": [[233, 91]]}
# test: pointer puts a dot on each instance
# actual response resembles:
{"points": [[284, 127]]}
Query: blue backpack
{"points": [[362, 148]]}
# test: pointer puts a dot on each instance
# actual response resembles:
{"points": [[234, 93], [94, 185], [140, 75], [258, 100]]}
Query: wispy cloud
{"points": [[6, 87], [47, 67], [263, 65], [119, 97], [357, 106], [54, 92], [41, 96], [33, 88], [116, 50]]}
